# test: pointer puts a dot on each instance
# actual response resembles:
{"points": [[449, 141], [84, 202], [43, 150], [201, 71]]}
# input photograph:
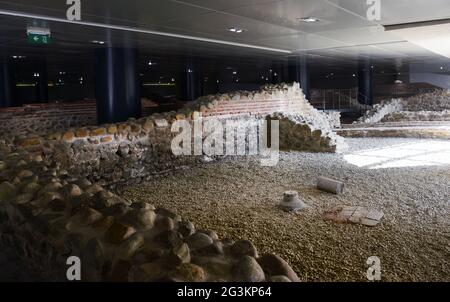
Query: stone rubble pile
{"points": [[47, 214], [380, 110], [432, 106], [303, 133]]}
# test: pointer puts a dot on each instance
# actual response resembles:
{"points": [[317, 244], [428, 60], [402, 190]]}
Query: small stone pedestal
{"points": [[291, 202]]}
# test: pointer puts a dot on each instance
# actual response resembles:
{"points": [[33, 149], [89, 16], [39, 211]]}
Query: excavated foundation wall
{"points": [[433, 106], [53, 203], [46, 118]]}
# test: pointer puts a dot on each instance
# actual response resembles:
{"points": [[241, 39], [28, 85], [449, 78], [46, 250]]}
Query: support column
{"points": [[41, 82], [7, 83], [299, 72], [365, 95], [117, 84], [191, 81]]}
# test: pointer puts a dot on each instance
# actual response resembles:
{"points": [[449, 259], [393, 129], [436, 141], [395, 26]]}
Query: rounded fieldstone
{"points": [[178, 255], [94, 189], [117, 210], [72, 190], [84, 183], [219, 266], [86, 216], [243, 248], [189, 272], [214, 249], [25, 174], [150, 272], [198, 240], [24, 198], [165, 212], [275, 265], [164, 223], [31, 187], [118, 232], [142, 205], [142, 219], [210, 233], [169, 239], [94, 252], [7, 191], [247, 269], [128, 248], [279, 279], [53, 186], [186, 228], [57, 205]]}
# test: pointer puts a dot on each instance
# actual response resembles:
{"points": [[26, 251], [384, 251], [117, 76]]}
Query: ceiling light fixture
{"points": [[236, 30], [97, 42], [18, 57], [309, 19]]}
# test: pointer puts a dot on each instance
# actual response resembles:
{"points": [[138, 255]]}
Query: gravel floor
{"points": [[238, 199]]}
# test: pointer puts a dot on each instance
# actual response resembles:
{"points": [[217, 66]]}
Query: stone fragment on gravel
{"points": [[357, 215], [291, 202]]}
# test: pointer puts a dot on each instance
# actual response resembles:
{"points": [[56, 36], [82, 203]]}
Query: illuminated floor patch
{"points": [[421, 153]]}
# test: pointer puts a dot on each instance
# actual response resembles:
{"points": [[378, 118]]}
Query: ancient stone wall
{"points": [[46, 118], [138, 149], [379, 111], [47, 215], [432, 106], [54, 202]]}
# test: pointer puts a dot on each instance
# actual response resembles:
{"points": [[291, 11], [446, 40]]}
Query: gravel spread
{"points": [[238, 199]]}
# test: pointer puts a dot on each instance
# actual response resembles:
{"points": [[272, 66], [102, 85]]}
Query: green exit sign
{"points": [[38, 38]]}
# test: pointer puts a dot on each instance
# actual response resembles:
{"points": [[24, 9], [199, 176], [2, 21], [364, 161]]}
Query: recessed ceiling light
{"points": [[98, 42], [150, 63], [309, 19], [18, 57], [442, 67], [236, 30]]}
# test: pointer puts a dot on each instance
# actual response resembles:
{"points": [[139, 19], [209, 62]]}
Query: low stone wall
{"points": [[406, 116], [138, 149], [54, 204], [45, 118], [379, 111], [433, 106], [47, 215]]}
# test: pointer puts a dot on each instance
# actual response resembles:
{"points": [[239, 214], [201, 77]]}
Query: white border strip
{"points": [[140, 30]]}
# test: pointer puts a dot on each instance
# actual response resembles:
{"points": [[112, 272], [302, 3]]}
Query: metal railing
{"points": [[343, 100]]}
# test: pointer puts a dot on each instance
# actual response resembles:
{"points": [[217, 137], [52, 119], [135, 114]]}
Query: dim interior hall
{"points": [[117, 124]]}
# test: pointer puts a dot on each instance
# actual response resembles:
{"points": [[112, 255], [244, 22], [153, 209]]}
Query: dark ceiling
{"points": [[171, 29]]}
